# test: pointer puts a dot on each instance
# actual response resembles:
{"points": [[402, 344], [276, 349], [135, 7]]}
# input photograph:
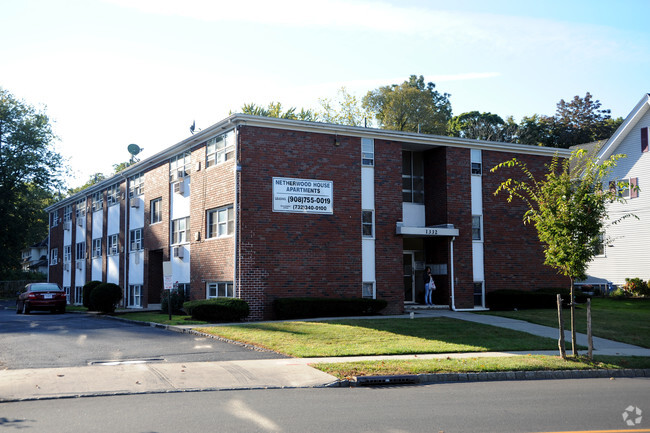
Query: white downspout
{"points": [[126, 240], [236, 209]]}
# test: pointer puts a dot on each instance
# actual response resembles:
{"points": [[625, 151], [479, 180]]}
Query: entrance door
{"points": [[409, 276]]}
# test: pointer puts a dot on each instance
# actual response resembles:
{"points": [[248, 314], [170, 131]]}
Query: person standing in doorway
{"points": [[429, 286]]}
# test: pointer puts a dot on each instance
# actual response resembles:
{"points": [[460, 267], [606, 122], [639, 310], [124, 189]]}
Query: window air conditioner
{"points": [[67, 226], [80, 222], [135, 202], [179, 187], [79, 264], [178, 252], [134, 246], [66, 266]]}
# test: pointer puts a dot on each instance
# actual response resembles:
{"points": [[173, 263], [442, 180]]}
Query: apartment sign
{"points": [[303, 195]]}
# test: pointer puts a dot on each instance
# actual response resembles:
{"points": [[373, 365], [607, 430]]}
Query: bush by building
{"points": [[178, 299], [218, 309], [302, 308], [105, 297], [542, 298], [87, 289]]}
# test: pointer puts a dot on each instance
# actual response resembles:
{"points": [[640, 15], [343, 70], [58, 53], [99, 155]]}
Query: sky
{"points": [[114, 72]]}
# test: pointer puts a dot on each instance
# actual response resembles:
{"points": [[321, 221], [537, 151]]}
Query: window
{"points": [[644, 139], [136, 240], [623, 188], [54, 218], [134, 297], [368, 290], [220, 290], [54, 256], [599, 248], [78, 295], [220, 149], [180, 230], [67, 253], [179, 166], [67, 294], [412, 177], [98, 201], [67, 213], [221, 222], [367, 223], [156, 210], [367, 152], [112, 245], [80, 209], [80, 251], [476, 228], [478, 293], [97, 247], [113, 194], [477, 164], [136, 185]]}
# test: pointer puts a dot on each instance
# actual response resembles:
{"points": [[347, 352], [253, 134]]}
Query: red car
{"points": [[41, 296]]}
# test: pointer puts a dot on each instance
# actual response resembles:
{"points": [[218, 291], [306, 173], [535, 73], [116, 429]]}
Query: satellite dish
{"points": [[134, 149]]}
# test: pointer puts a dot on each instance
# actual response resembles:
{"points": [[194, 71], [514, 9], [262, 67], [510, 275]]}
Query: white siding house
{"points": [[625, 252]]}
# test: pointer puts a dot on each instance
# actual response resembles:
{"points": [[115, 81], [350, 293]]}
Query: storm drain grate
{"points": [[126, 361], [385, 380]]}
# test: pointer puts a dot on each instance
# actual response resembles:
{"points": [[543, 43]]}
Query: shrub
{"points": [[636, 287], [105, 297], [301, 308], [178, 298], [619, 293], [509, 299], [218, 309], [87, 289]]}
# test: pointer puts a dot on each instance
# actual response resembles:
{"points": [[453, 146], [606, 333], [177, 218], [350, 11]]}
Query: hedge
{"points": [[510, 299], [217, 310], [86, 291], [105, 297], [302, 308]]}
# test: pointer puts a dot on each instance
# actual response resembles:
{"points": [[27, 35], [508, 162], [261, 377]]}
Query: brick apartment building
{"points": [[260, 208]]}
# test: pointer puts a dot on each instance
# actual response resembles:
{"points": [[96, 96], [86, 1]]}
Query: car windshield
{"points": [[44, 287]]}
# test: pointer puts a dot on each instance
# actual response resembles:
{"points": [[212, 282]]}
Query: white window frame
{"points": [[135, 239], [136, 185], [78, 295], [218, 220], [179, 166], [97, 247], [113, 195], [80, 251], [213, 288], [220, 149], [80, 209], [112, 245], [601, 247], [478, 218], [54, 256], [67, 213], [368, 289], [134, 297], [367, 152], [155, 207], [415, 195], [622, 191], [365, 224], [180, 231], [54, 218], [67, 294], [97, 201], [67, 253], [476, 162]]}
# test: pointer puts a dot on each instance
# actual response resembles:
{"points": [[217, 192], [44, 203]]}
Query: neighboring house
{"points": [[261, 208], [624, 253], [34, 258]]}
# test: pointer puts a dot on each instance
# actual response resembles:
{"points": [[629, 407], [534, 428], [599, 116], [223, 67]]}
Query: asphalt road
{"points": [[42, 340], [525, 406]]}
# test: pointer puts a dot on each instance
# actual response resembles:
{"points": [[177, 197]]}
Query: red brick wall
{"points": [[287, 254], [513, 255], [55, 273], [156, 236], [388, 211]]}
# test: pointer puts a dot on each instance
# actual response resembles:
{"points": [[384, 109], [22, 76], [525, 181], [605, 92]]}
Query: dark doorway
{"points": [[155, 276]]}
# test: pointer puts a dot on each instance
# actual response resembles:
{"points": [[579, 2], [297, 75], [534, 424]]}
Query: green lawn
{"points": [[626, 320], [380, 337], [477, 365]]}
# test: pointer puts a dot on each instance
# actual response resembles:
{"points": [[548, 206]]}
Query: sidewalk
{"points": [[157, 377]]}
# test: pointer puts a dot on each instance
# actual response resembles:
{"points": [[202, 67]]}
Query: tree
{"points": [[345, 110], [30, 171], [94, 178], [579, 121], [411, 106], [482, 126], [568, 208], [274, 109]]}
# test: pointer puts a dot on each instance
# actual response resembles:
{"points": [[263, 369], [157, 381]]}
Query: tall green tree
{"points": [[345, 109], [30, 171], [568, 208], [411, 106], [578, 121], [482, 126]]}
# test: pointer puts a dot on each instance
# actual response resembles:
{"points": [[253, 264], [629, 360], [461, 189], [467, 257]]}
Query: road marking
{"points": [[600, 431]]}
